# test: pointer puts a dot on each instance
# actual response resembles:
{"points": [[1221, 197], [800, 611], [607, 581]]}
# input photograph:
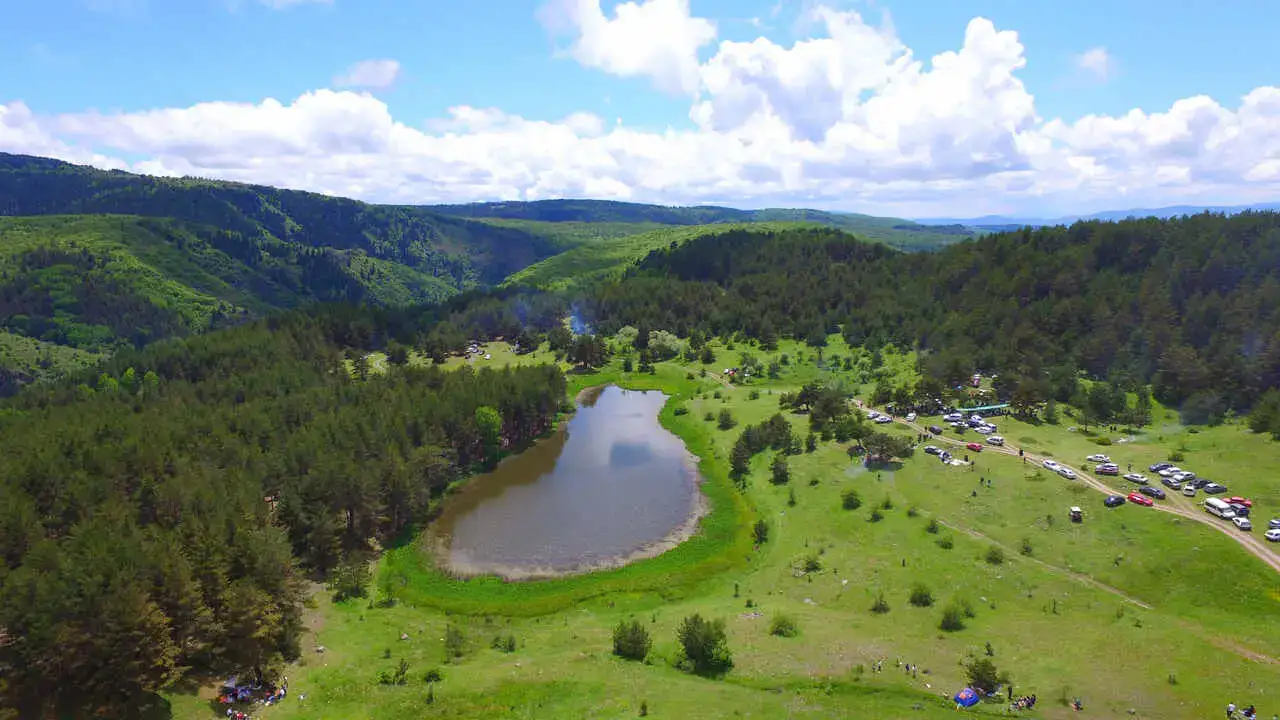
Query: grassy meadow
{"points": [[1138, 613]]}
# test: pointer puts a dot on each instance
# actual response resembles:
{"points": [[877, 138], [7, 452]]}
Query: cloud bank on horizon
{"points": [[848, 118]]}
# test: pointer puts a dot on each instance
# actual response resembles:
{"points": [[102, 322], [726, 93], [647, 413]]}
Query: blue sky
{"points": [[123, 57]]}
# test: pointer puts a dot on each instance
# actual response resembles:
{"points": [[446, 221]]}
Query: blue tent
{"points": [[967, 697]]}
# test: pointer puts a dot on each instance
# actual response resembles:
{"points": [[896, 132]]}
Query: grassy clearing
{"points": [[36, 359], [596, 261], [1060, 610]]}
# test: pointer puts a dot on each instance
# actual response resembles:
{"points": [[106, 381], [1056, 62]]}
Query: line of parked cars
{"points": [[878, 418], [974, 422]]}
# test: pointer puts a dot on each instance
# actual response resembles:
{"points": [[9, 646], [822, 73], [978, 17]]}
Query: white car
{"points": [[1272, 535], [872, 414], [1067, 473], [1136, 477], [983, 430], [1170, 472], [976, 418], [1051, 465], [882, 419], [995, 440], [1098, 459], [911, 417], [1242, 523], [953, 417], [1184, 476]]}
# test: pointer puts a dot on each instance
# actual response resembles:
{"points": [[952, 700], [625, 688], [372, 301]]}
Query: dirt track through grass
{"points": [[1250, 543]]}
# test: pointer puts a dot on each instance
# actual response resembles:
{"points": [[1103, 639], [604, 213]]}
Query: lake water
{"points": [[611, 485]]}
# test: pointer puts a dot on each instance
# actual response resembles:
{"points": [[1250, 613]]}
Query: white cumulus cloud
{"points": [[849, 118], [1097, 62], [372, 74], [658, 39]]}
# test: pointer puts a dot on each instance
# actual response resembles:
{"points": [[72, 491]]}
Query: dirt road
{"points": [[1175, 505]]}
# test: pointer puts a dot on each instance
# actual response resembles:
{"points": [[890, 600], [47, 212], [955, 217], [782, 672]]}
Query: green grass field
{"points": [[1138, 613], [590, 263]]}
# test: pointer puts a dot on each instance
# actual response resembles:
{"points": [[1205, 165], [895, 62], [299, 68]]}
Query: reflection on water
{"points": [[608, 483]]}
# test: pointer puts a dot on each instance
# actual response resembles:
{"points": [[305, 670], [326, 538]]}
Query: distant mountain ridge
{"points": [[1005, 222]]}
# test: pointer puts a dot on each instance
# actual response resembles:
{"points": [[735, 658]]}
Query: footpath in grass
{"points": [[1138, 613]]}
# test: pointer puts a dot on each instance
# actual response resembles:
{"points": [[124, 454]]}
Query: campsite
{"points": [[1108, 612]]}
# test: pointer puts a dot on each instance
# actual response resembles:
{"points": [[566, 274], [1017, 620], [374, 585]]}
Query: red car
{"points": [[1140, 499], [976, 447], [1240, 501]]}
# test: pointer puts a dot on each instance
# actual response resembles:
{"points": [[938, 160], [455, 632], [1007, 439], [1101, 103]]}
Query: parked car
{"points": [[1107, 469], [872, 414], [1098, 459], [1139, 499], [953, 417], [1242, 523], [935, 429], [1236, 499], [1150, 491], [1051, 465], [1173, 484], [1198, 483], [984, 429], [1189, 490], [1273, 524], [1273, 535], [1241, 510], [976, 447], [974, 423], [931, 450], [995, 440], [944, 456], [911, 417], [1169, 472], [1157, 467], [1067, 472], [1184, 476], [1114, 501], [881, 420], [1214, 488], [1136, 477], [975, 418]]}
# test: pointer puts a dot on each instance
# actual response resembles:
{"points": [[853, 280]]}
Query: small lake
{"points": [[610, 486]]}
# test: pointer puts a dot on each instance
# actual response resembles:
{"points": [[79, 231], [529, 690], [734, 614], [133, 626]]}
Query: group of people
{"points": [[1023, 703], [1248, 713], [251, 693]]}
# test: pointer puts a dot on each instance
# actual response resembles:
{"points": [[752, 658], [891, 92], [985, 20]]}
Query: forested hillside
{"points": [[155, 521], [1191, 304], [900, 233], [461, 252]]}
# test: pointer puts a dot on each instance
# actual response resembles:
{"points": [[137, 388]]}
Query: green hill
{"points": [[587, 264], [462, 253], [548, 214]]}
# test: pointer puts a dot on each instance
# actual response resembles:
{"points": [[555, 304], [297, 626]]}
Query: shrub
{"points": [[812, 564], [995, 555], [709, 417], [1026, 546], [920, 596], [705, 644], [946, 543], [880, 606], [1176, 456], [783, 626], [504, 643], [849, 500], [875, 516], [932, 527], [780, 472], [432, 676], [644, 708], [726, 421], [913, 511], [397, 677], [753, 395], [716, 394], [350, 581], [761, 531], [631, 640], [681, 410], [455, 641], [1103, 441], [791, 497], [952, 619], [627, 365], [982, 675], [887, 504]]}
